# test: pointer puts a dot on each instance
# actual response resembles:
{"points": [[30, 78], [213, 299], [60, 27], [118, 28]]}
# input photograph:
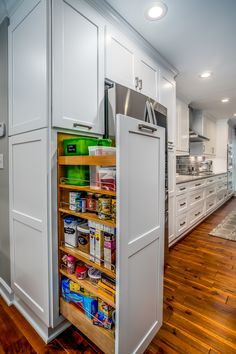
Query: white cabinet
{"points": [[78, 66], [28, 167], [171, 219], [171, 170], [182, 121], [205, 126], [128, 66], [168, 99], [141, 234], [28, 70]]}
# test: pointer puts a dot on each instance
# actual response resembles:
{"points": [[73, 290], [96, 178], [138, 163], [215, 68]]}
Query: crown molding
{"points": [[111, 15]]}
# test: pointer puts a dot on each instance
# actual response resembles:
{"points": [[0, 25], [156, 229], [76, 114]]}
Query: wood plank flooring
{"points": [[199, 303], [200, 293]]}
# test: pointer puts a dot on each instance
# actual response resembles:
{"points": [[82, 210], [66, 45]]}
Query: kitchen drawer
{"points": [[220, 197], [181, 203], [219, 186], [196, 213], [196, 197], [221, 177], [210, 190], [197, 184], [210, 203], [210, 180], [181, 188], [181, 223]]}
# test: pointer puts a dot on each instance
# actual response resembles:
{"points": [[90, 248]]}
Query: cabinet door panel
{"points": [[168, 99], [78, 61], [28, 79], [29, 220], [149, 74], [140, 245], [119, 59]]}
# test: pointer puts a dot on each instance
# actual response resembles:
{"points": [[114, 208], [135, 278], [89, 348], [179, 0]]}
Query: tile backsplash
{"points": [[187, 165]]}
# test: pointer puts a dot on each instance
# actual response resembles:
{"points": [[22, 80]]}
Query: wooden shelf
{"points": [[87, 189], [102, 160], [88, 216], [84, 257], [85, 283], [103, 338]]}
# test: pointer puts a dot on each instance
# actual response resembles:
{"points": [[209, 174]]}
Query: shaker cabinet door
{"points": [[148, 77], [78, 67], [140, 230], [28, 70]]}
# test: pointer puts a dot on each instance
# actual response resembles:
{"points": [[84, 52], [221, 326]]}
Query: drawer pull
{"points": [[146, 127], [196, 198], [210, 180], [75, 125], [182, 204], [210, 205], [182, 223], [182, 188], [197, 213], [197, 184], [211, 192]]}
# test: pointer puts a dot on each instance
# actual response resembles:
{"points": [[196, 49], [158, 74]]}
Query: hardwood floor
{"points": [[200, 293], [199, 303]]}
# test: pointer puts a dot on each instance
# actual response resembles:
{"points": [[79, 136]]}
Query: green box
{"points": [[77, 175], [78, 146]]}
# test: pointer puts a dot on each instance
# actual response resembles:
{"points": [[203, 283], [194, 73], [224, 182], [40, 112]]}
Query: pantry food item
{"points": [[113, 210], [92, 240], [107, 178], [106, 290], [74, 201], [78, 146], [101, 150], [104, 208], [109, 249], [81, 290], [70, 264], [111, 283], [83, 232], [99, 242], [91, 202], [70, 234], [94, 275], [103, 317], [81, 272]]}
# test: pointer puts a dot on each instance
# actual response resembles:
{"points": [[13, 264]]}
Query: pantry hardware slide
{"points": [[75, 125]]}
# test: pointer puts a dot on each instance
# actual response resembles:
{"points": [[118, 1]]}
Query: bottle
{"points": [[70, 264]]}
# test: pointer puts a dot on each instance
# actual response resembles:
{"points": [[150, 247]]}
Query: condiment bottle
{"points": [[70, 264]]}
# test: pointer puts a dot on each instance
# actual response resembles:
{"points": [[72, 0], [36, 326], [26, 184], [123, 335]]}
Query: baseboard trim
{"points": [[6, 292], [47, 334]]}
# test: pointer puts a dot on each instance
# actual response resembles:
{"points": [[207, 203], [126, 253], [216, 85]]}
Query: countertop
{"points": [[189, 178]]}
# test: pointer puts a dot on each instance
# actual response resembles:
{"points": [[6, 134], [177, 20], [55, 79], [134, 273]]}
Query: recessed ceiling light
{"points": [[224, 100], [234, 114], [206, 74], [156, 11]]}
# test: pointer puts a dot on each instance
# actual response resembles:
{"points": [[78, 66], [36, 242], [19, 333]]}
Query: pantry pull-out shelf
{"points": [[103, 160], [87, 189], [85, 283], [103, 338]]}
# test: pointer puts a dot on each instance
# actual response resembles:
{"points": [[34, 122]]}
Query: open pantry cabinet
{"points": [[133, 293]]}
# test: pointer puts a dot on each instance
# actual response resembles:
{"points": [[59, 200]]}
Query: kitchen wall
{"points": [[186, 165], [4, 188]]}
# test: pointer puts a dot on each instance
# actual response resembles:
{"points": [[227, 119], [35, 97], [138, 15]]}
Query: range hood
{"points": [[195, 137]]}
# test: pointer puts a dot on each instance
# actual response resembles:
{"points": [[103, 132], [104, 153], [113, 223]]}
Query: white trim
{"points": [[6, 286], [6, 292]]}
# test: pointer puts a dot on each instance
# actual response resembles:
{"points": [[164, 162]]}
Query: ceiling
{"points": [[195, 36]]}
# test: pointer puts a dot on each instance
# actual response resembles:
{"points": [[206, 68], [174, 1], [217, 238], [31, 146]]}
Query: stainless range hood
{"points": [[194, 137]]}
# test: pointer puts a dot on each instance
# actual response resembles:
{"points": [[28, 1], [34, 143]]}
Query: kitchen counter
{"points": [[189, 178]]}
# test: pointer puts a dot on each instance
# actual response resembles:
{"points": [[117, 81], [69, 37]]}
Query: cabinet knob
{"points": [[136, 82], [140, 84]]}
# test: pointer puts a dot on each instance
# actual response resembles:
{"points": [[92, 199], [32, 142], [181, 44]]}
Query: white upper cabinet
{"points": [[78, 66], [128, 66], [28, 73], [168, 99], [182, 121], [210, 132]]}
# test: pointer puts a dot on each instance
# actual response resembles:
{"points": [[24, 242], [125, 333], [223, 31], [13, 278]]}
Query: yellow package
{"points": [[80, 290]]}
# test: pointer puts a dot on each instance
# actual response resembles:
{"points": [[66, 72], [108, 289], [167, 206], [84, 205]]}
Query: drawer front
{"points": [[196, 197], [210, 190], [197, 184], [210, 180], [196, 213], [220, 197], [181, 224], [219, 186], [221, 177], [181, 188], [181, 203], [210, 203]]}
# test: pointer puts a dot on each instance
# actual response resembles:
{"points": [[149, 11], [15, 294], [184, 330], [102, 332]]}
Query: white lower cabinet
{"points": [[29, 220], [196, 200], [171, 218]]}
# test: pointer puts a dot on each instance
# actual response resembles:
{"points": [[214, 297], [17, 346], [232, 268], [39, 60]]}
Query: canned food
{"points": [[90, 202], [81, 205], [104, 208], [113, 209]]}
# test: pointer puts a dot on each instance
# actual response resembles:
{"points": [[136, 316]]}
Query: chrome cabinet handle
{"points": [[197, 213], [198, 184], [182, 204], [210, 205], [211, 192], [182, 188], [75, 125], [136, 82], [146, 127], [198, 197], [182, 223], [140, 84]]}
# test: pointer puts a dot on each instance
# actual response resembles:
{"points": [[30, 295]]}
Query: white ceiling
{"points": [[195, 35]]}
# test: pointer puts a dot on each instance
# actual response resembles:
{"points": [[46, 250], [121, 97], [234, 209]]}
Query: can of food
{"points": [[113, 209], [90, 202], [104, 208], [81, 205], [74, 198]]}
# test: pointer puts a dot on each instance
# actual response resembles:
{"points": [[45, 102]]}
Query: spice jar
{"points": [[81, 271], [70, 264]]}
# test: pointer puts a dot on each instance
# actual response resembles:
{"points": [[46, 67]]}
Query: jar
{"points": [[70, 264], [83, 233], [96, 198], [104, 208], [90, 202], [81, 205], [81, 272], [94, 275]]}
